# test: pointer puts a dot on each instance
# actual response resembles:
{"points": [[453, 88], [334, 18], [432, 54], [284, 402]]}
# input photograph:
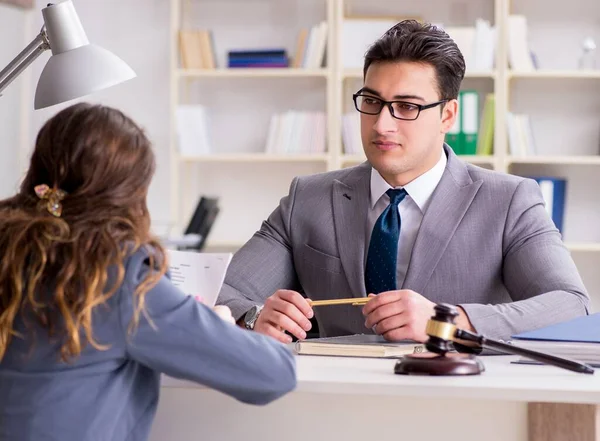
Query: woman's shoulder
{"points": [[139, 262]]}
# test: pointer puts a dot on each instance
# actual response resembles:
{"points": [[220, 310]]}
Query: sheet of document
{"points": [[199, 274]]}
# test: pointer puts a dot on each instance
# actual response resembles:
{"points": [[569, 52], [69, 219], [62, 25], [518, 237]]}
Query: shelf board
{"points": [[358, 74], [473, 159], [255, 157], [556, 74], [583, 247], [252, 73], [222, 245], [353, 159], [477, 159], [564, 159]]}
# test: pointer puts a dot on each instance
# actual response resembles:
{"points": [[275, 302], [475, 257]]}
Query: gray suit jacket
{"points": [[485, 243]]}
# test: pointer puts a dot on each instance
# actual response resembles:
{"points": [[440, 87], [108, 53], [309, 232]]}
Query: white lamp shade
{"points": [[77, 73]]}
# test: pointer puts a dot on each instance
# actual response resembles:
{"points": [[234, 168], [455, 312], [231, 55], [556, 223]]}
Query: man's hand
{"points": [[285, 311], [399, 315], [403, 314]]}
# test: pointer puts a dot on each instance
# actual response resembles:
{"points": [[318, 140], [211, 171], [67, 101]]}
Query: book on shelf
{"points": [[298, 59], [295, 132], [357, 345], [554, 192], [351, 137], [469, 121], [578, 339], [358, 34], [519, 54], [485, 140], [521, 141], [253, 58], [196, 48], [315, 45], [463, 135], [192, 130], [477, 44]]}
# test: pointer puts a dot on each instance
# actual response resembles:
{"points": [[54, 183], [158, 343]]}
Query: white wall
{"points": [[138, 32], [12, 36]]}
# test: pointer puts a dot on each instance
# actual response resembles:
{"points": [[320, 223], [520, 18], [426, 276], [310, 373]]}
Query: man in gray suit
{"points": [[414, 225]]}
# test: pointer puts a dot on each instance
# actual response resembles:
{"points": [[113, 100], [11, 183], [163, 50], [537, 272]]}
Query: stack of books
{"points": [[310, 47], [295, 132], [252, 58], [521, 141]]}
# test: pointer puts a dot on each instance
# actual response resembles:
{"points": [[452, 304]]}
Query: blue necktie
{"points": [[380, 274]]}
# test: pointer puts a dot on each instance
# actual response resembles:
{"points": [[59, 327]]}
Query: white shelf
{"points": [[473, 159], [563, 160], [353, 159], [219, 246], [255, 157], [352, 74], [252, 73], [583, 247], [557, 74]]}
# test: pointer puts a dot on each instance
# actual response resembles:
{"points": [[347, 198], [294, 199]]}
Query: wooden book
{"points": [[190, 50], [300, 48], [358, 345]]}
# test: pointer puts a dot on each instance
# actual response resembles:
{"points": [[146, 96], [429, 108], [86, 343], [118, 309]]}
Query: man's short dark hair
{"points": [[418, 42]]}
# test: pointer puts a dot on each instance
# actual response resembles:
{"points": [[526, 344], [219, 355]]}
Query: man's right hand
{"points": [[285, 311]]}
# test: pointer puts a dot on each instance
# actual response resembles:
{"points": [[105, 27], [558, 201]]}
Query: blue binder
{"points": [[584, 329], [554, 192]]}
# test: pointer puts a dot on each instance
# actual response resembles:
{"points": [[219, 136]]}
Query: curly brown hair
{"points": [[56, 270]]}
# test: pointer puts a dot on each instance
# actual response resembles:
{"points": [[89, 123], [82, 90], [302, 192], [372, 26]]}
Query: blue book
{"points": [[584, 329], [257, 53], [554, 192]]}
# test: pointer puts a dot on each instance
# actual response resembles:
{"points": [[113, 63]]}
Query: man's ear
{"points": [[449, 115]]}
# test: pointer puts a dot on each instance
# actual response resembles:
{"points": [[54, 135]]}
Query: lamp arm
{"points": [[33, 50], [534, 355]]}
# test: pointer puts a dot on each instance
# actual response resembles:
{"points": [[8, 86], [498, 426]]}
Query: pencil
{"points": [[358, 301]]}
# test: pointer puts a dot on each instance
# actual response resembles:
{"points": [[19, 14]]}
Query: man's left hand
{"points": [[399, 315], [403, 315]]}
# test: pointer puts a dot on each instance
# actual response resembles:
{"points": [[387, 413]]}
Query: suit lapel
{"points": [[350, 207], [449, 203]]}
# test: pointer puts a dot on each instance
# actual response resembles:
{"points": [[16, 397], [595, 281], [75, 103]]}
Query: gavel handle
{"points": [[534, 355]]}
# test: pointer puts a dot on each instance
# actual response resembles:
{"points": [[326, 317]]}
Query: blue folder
{"points": [[584, 329]]}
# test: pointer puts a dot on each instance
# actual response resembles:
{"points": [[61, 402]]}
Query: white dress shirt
{"points": [[411, 210]]}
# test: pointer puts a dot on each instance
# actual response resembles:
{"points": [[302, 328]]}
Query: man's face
{"points": [[403, 150]]}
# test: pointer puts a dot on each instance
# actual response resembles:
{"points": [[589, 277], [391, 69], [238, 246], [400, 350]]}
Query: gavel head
{"points": [[441, 328]]}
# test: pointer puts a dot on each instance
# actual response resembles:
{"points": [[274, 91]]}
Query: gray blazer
{"points": [[112, 394], [485, 243]]}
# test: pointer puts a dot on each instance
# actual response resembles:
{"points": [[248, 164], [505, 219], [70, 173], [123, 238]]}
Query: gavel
{"points": [[444, 336]]}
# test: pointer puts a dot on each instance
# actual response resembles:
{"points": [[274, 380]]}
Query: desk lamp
{"points": [[76, 67], [443, 335]]}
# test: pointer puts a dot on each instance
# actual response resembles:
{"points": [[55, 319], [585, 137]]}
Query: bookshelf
{"points": [[563, 103]]}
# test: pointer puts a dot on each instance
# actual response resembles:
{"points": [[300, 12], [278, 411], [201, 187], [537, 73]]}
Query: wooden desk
{"points": [[362, 399]]}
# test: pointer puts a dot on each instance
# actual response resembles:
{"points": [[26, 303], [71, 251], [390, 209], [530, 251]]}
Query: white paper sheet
{"points": [[199, 274]]}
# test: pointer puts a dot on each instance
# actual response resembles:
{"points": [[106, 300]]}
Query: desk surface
{"points": [[502, 380]]}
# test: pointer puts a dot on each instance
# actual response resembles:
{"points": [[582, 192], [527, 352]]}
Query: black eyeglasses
{"points": [[369, 105]]}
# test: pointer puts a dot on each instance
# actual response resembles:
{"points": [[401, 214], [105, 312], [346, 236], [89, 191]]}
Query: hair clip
{"points": [[53, 196]]}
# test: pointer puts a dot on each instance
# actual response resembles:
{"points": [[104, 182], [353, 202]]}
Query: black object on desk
{"points": [[442, 332], [203, 219]]}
